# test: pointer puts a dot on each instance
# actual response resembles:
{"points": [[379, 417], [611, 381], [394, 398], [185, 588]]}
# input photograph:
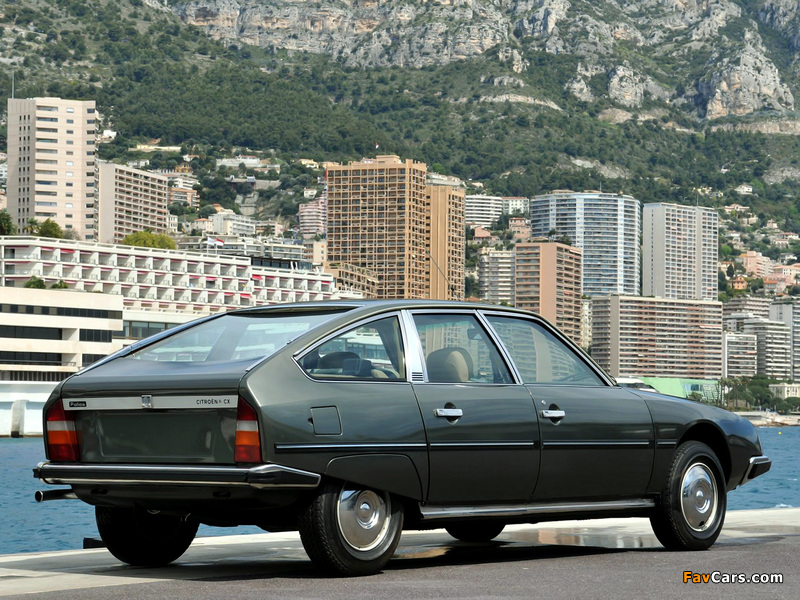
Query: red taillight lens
{"points": [[248, 441], [62, 440]]}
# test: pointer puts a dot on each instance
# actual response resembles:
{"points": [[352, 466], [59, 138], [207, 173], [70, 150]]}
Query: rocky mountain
{"points": [[720, 58], [656, 98]]}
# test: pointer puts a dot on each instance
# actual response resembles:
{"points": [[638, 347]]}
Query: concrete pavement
{"points": [[614, 558]]}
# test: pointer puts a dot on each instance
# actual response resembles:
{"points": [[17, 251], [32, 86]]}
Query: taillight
{"points": [[62, 440], [248, 442]]}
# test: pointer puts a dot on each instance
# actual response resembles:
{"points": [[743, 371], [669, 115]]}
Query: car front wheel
{"points": [[143, 538], [692, 506], [477, 531], [351, 530]]}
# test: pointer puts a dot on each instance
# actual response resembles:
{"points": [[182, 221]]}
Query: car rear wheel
{"points": [[477, 531], [143, 538], [351, 530], [692, 506]]}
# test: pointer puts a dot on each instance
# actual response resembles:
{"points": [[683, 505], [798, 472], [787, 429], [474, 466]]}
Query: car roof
{"points": [[377, 306]]}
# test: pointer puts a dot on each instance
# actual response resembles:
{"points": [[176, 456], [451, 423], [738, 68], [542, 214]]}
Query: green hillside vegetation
{"points": [[154, 77]]}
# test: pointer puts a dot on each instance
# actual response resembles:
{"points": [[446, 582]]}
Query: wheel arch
{"points": [[710, 435]]}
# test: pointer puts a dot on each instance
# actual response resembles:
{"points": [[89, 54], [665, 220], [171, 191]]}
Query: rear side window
{"points": [[373, 351], [242, 336], [540, 357], [458, 350]]}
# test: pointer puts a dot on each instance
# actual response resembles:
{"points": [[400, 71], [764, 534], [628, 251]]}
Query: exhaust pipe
{"points": [[43, 496]]}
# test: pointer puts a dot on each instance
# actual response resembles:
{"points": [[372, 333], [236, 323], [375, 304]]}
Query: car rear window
{"points": [[240, 336]]}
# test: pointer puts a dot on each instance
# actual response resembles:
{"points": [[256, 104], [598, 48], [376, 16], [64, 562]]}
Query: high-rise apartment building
{"points": [[757, 306], [496, 276], [311, 217], [515, 205], [482, 210], [130, 200], [634, 336], [446, 241], [547, 281], [51, 163], [679, 251], [788, 312], [740, 352], [606, 227], [773, 347], [382, 217]]}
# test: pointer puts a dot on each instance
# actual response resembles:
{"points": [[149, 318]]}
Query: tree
{"points": [[32, 227], [148, 239], [35, 282], [50, 229], [722, 281], [59, 285], [7, 226]]}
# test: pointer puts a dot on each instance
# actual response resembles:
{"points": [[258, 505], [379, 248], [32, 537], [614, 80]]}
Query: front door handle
{"points": [[553, 414], [449, 413]]}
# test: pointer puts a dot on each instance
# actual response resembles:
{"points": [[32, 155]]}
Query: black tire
{"points": [[475, 531], [351, 530], [144, 539], [691, 510]]}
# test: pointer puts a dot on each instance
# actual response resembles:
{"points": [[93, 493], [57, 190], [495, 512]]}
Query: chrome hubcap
{"points": [[699, 497], [363, 517]]}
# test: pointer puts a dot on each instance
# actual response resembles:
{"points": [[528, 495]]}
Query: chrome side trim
{"points": [[430, 513], [338, 447], [260, 477], [666, 443], [599, 444], [459, 445]]}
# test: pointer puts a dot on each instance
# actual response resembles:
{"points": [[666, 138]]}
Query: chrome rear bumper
{"points": [[758, 466], [259, 477]]}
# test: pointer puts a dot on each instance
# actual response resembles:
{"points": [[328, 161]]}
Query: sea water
{"points": [[28, 526]]}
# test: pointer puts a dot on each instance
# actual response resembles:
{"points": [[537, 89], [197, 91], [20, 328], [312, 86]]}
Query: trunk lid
{"points": [[134, 411]]}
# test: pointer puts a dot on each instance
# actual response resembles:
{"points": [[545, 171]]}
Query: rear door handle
{"points": [[449, 413], [553, 414]]}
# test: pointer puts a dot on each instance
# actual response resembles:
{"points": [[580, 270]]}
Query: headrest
{"points": [[449, 365], [336, 360]]}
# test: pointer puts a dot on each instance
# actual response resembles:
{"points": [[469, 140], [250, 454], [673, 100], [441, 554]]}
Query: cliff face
{"points": [[707, 54]]}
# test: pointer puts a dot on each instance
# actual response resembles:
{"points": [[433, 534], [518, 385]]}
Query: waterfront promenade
{"points": [[615, 558]]}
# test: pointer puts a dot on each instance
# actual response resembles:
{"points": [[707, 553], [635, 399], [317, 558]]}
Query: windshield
{"points": [[240, 336]]}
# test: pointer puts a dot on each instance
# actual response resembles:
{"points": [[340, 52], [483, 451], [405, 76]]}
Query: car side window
{"points": [[540, 357], [373, 351], [458, 350]]}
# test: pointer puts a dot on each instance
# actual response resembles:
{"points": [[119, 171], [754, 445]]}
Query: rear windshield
{"points": [[242, 336]]}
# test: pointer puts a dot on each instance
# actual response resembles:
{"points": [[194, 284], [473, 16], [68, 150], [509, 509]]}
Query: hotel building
{"points": [[155, 279], [634, 336], [547, 281], [51, 163], [679, 252], [606, 227]]}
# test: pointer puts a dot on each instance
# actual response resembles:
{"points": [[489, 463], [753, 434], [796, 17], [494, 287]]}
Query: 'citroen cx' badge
{"points": [[147, 401]]}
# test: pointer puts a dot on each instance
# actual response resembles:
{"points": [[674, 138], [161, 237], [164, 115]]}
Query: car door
{"points": [[480, 424], [597, 439]]}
